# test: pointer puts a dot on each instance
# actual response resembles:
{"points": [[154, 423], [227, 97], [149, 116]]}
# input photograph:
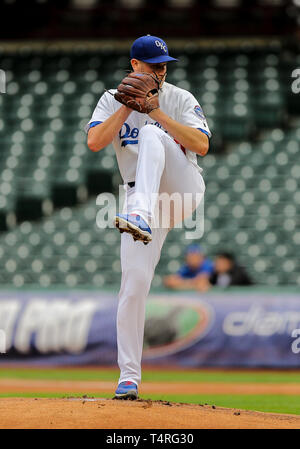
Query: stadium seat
{"points": [[49, 177]]}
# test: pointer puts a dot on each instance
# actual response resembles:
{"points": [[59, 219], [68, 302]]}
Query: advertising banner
{"points": [[224, 329]]}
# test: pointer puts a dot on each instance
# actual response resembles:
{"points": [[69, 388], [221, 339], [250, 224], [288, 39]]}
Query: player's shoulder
{"points": [[108, 94], [178, 91], [107, 99]]}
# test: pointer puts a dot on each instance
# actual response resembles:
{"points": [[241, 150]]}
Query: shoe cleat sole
{"points": [[137, 233], [131, 395]]}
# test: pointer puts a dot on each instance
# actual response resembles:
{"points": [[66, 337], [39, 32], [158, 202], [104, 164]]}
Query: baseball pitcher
{"points": [[157, 129]]}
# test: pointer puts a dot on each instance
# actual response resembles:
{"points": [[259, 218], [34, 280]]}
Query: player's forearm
{"points": [[190, 138], [101, 135]]}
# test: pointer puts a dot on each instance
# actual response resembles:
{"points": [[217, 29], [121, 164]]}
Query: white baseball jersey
{"points": [[177, 103]]}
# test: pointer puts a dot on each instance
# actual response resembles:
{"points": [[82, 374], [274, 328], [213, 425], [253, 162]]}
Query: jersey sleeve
{"points": [[207, 267], [192, 115], [104, 109], [183, 272]]}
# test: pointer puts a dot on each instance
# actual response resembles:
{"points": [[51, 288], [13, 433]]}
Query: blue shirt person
{"points": [[197, 267]]}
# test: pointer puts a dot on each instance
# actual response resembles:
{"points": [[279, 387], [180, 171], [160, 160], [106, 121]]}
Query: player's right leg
{"points": [[138, 263]]}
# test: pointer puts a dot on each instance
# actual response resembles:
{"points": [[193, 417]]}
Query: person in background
{"points": [[196, 268], [226, 273]]}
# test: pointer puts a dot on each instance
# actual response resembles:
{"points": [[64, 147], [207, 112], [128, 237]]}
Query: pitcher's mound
{"points": [[90, 413]]}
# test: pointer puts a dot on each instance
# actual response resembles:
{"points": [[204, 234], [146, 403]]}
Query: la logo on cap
{"points": [[161, 45]]}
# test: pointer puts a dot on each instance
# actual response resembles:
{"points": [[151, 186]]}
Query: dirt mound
{"points": [[97, 413], [91, 386]]}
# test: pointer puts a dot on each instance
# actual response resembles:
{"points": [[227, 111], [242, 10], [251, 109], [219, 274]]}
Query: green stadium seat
{"points": [[252, 201]]}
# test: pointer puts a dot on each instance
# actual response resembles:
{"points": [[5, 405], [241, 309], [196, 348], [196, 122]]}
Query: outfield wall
{"points": [[245, 328]]}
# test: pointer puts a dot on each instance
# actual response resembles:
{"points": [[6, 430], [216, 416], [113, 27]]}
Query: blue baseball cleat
{"points": [[135, 225], [126, 390]]}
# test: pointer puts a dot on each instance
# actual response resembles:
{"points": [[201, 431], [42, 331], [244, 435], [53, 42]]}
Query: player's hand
{"points": [[139, 91]]}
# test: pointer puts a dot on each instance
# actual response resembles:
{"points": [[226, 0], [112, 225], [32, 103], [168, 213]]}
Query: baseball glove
{"points": [[139, 91]]}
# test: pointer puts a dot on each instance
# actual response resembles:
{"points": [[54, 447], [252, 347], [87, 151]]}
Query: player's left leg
{"points": [[163, 168]]}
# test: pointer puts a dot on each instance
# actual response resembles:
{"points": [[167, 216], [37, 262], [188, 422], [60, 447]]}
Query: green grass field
{"points": [[259, 402]]}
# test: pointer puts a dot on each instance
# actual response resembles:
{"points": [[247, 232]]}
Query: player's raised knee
{"points": [[150, 129]]}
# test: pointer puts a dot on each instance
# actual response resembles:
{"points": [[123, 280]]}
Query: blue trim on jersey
{"points": [[203, 130], [128, 142], [94, 124]]}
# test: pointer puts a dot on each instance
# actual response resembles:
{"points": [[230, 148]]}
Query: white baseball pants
{"points": [[162, 167]]}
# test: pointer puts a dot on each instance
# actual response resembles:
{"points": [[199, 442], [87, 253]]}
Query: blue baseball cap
{"points": [[150, 49], [194, 248]]}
